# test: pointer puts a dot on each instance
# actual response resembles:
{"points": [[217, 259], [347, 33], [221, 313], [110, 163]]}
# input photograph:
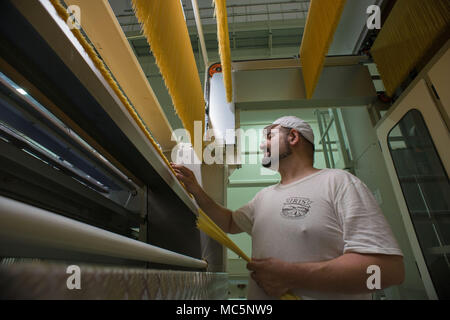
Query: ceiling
{"points": [[273, 28], [238, 11], [259, 29]]}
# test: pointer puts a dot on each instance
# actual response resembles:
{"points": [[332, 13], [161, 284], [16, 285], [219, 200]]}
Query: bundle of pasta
{"points": [[411, 35], [165, 29], [321, 24]]}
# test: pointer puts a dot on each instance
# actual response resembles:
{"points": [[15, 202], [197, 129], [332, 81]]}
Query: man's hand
{"points": [[269, 275], [220, 215], [346, 274], [187, 177]]}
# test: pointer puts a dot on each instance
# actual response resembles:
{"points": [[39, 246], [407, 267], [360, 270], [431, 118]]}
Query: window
{"points": [[425, 186]]}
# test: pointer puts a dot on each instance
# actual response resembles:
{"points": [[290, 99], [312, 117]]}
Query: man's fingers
{"points": [[181, 168], [185, 170], [178, 172], [177, 166]]}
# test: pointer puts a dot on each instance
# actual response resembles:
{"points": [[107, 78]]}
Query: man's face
{"points": [[275, 146]]}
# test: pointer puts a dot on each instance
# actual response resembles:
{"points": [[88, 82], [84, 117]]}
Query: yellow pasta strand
{"points": [[321, 24], [224, 46], [62, 12], [164, 27]]}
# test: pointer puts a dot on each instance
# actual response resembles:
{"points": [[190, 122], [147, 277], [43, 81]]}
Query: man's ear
{"points": [[294, 137]]}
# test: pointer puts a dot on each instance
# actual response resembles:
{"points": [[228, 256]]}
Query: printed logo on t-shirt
{"points": [[296, 207]]}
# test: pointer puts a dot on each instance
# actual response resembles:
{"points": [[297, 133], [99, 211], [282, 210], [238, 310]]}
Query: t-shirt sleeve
{"points": [[244, 216], [364, 226]]}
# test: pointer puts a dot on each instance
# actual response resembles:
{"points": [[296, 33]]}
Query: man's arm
{"points": [[346, 274], [220, 215]]}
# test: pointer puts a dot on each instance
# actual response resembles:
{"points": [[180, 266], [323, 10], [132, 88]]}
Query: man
{"points": [[316, 232]]}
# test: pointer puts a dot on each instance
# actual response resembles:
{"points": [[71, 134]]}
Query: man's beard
{"points": [[268, 161]]}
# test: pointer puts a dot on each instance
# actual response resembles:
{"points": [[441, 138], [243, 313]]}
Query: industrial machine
{"points": [[80, 183], [414, 137], [89, 205]]}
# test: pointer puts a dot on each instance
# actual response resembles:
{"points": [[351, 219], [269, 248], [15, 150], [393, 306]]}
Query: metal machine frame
{"points": [[422, 96]]}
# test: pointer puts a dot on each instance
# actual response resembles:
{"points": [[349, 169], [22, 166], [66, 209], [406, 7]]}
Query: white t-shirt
{"points": [[317, 218]]}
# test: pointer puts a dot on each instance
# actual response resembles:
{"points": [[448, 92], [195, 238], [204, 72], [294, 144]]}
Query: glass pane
{"points": [[426, 189]]}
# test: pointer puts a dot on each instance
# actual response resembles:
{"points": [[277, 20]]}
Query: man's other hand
{"points": [[269, 275]]}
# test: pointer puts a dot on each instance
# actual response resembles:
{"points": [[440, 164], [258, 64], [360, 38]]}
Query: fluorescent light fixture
{"points": [[21, 91]]}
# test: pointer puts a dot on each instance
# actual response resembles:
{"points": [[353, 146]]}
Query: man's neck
{"points": [[295, 168]]}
